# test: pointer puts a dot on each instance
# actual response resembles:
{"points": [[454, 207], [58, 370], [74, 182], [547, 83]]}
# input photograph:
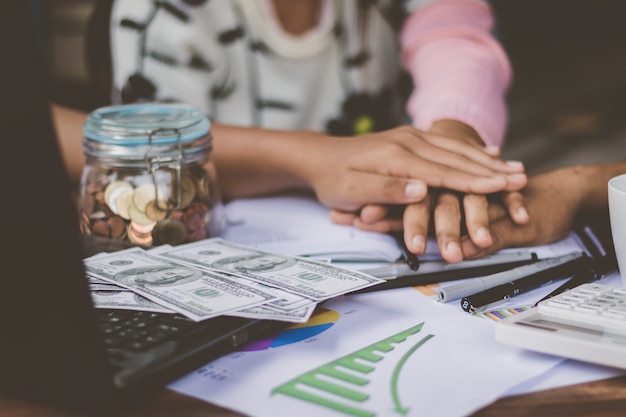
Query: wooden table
{"points": [[598, 399]]}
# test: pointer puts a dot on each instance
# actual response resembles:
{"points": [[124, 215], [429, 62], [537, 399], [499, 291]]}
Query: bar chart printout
{"points": [[336, 385], [384, 354]]}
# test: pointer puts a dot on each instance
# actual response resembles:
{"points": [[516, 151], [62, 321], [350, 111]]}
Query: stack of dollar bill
{"points": [[215, 277]]}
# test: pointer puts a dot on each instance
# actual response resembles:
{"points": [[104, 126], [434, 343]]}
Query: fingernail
{"points": [[482, 233], [517, 176], [497, 179], [453, 247], [522, 213], [415, 190], [515, 164], [418, 243]]}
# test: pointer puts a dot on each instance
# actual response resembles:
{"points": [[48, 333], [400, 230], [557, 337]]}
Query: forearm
{"points": [[253, 161], [594, 181], [459, 70], [347, 172], [69, 128], [458, 130]]}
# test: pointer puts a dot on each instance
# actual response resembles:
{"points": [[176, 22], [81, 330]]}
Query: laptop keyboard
{"points": [[127, 332]]}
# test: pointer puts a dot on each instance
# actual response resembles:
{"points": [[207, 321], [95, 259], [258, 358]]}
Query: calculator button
{"points": [[591, 289], [620, 291], [615, 314], [591, 307], [561, 303]]}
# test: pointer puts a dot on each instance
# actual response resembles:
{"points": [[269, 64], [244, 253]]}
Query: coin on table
{"points": [[113, 192]]}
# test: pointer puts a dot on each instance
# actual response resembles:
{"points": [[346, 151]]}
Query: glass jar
{"points": [[148, 177]]}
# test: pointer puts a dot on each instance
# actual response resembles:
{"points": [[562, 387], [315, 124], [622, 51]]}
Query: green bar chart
{"points": [[340, 384]]}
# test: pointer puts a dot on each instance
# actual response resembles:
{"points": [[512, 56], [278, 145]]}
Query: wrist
{"points": [[584, 183], [458, 130], [597, 178]]}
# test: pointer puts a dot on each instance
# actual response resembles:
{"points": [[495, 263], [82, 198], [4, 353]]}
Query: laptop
{"points": [[53, 347]]}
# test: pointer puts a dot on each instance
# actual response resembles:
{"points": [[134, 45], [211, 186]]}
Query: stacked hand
{"points": [[553, 199], [451, 206]]}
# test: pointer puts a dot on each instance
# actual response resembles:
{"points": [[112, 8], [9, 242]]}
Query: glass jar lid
{"points": [[136, 132], [138, 124]]}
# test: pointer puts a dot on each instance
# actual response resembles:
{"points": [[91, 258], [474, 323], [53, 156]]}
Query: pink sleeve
{"points": [[459, 70]]}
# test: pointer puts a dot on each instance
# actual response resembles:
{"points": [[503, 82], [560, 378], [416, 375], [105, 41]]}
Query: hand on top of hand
{"points": [[449, 210], [553, 200], [399, 165]]}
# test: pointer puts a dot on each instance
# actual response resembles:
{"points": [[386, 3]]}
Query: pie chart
{"points": [[322, 320]]}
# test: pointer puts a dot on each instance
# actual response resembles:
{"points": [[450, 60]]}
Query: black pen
{"points": [[593, 272], [479, 301], [411, 259], [445, 275]]}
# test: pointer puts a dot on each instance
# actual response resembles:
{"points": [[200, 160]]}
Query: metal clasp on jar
{"points": [[173, 161]]}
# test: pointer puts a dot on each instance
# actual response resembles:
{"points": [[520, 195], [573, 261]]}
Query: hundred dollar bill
{"points": [[126, 300], [298, 316], [285, 301], [97, 284], [105, 287], [309, 279], [195, 293], [94, 280]]}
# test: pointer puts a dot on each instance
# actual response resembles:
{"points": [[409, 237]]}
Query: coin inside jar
{"points": [[156, 209], [113, 192], [144, 194], [187, 191], [138, 216], [117, 227], [169, 231], [124, 201]]}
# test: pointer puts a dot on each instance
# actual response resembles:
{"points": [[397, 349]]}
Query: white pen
{"points": [[464, 289], [398, 270]]}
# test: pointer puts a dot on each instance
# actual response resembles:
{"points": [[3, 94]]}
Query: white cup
{"points": [[617, 215]]}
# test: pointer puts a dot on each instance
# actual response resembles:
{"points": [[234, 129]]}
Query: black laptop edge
{"points": [[51, 347]]}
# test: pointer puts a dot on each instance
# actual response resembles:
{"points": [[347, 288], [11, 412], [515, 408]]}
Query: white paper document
{"points": [[379, 354], [300, 225]]}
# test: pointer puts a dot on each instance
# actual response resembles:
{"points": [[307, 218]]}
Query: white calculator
{"points": [[587, 323]]}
